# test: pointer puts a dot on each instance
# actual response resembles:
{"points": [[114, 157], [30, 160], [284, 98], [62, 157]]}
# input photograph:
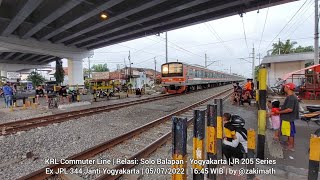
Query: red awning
{"points": [[302, 71]]}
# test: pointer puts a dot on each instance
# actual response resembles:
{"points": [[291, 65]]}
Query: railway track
{"points": [[27, 124], [136, 144]]}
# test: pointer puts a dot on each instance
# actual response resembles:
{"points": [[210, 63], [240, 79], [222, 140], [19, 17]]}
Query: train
{"points": [[178, 77]]}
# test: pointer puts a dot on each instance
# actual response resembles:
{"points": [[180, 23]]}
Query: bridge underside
{"points": [[26, 58], [77, 23]]}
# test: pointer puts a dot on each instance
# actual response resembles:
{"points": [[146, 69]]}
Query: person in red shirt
{"points": [[275, 118]]}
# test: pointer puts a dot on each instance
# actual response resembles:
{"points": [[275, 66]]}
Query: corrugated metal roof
{"points": [[308, 56]]}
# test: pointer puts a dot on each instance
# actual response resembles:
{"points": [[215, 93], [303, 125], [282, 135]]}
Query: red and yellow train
{"points": [[179, 77]]}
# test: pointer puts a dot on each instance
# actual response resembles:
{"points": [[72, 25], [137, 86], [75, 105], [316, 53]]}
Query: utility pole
{"points": [[279, 46], [166, 47], [130, 67], [155, 70], [259, 55], [205, 60], [316, 33], [89, 70], [253, 58]]}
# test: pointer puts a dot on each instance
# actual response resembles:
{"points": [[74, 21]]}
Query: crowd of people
{"points": [[281, 121], [8, 91], [243, 94]]}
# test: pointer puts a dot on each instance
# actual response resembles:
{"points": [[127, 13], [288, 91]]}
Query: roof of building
{"points": [[307, 56]]}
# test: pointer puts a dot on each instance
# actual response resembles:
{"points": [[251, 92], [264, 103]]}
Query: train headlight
{"points": [[165, 69]]}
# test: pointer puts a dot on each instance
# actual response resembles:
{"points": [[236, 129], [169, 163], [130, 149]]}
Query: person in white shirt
{"points": [[238, 146]]}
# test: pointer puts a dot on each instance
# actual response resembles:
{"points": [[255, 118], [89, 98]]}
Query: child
{"points": [[228, 129], [269, 107], [275, 118]]}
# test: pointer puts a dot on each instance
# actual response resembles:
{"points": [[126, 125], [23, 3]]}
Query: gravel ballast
{"points": [[25, 152]]}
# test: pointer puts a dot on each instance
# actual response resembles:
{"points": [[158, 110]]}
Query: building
{"points": [[279, 65], [140, 76]]}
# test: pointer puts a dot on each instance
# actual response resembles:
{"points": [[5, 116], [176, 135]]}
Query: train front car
{"points": [[173, 77]]}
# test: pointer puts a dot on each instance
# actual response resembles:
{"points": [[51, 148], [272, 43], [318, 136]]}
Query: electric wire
{"points": [[244, 32], [264, 26], [299, 20], [213, 32], [286, 24]]}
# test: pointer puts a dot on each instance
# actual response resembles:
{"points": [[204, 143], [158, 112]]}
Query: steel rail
{"points": [[41, 174], [27, 124], [144, 152]]}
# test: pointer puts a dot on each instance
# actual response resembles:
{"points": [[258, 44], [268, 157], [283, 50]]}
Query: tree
{"points": [[35, 78], [300, 49], [285, 48], [59, 74], [100, 68]]}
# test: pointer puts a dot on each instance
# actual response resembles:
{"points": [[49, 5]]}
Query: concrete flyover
{"points": [[41, 31]]}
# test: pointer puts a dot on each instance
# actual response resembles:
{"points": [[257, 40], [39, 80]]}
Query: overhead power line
{"points": [[181, 48], [264, 26], [244, 32], [286, 24], [300, 19], [216, 35]]}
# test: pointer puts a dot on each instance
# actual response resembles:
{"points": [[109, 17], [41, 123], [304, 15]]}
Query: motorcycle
{"points": [[73, 95], [313, 114]]}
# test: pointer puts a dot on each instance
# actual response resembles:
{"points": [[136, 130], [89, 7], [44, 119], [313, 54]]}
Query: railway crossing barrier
{"points": [[179, 146], [205, 137], [314, 157]]}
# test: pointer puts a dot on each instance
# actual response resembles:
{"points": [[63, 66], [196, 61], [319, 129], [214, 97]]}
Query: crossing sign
{"points": [[29, 86]]}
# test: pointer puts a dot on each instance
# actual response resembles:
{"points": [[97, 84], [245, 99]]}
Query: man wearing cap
{"points": [[288, 114]]}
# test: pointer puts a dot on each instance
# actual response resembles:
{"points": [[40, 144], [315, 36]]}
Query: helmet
{"points": [[237, 121]]}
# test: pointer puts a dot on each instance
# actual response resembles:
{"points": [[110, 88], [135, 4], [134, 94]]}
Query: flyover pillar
{"points": [[75, 72], [3, 73]]}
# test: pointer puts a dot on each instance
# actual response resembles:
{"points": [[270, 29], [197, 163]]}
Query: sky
{"points": [[225, 41]]}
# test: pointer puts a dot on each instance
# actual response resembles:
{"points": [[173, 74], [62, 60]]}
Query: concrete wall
{"points": [[278, 70]]}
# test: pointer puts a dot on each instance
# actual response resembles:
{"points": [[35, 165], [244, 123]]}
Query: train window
{"points": [[165, 69], [190, 73], [171, 70], [175, 68]]}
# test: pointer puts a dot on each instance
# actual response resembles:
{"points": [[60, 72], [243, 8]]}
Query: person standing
{"points": [[288, 114], [8, 94]]}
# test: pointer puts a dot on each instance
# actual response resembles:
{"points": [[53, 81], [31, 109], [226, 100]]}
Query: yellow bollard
{"points": [[211, 137], [198, 142], [314, 157], [11, 108], [179, 147], [251, 134], [262, 112]]}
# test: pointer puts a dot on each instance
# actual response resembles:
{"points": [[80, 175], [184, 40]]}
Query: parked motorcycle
{"points": [[313, 114]]}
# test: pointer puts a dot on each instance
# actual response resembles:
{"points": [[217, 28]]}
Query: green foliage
{"points": [[35, 78], [100, 68], [287, 47], [59, 74], [256, 72], [300, 49]]}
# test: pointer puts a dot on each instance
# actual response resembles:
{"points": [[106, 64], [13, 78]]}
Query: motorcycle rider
{"points": [[238, 146]]}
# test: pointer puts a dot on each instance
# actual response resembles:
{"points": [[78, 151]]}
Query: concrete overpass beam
{"points": [[32, 46], [75, 72]]}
